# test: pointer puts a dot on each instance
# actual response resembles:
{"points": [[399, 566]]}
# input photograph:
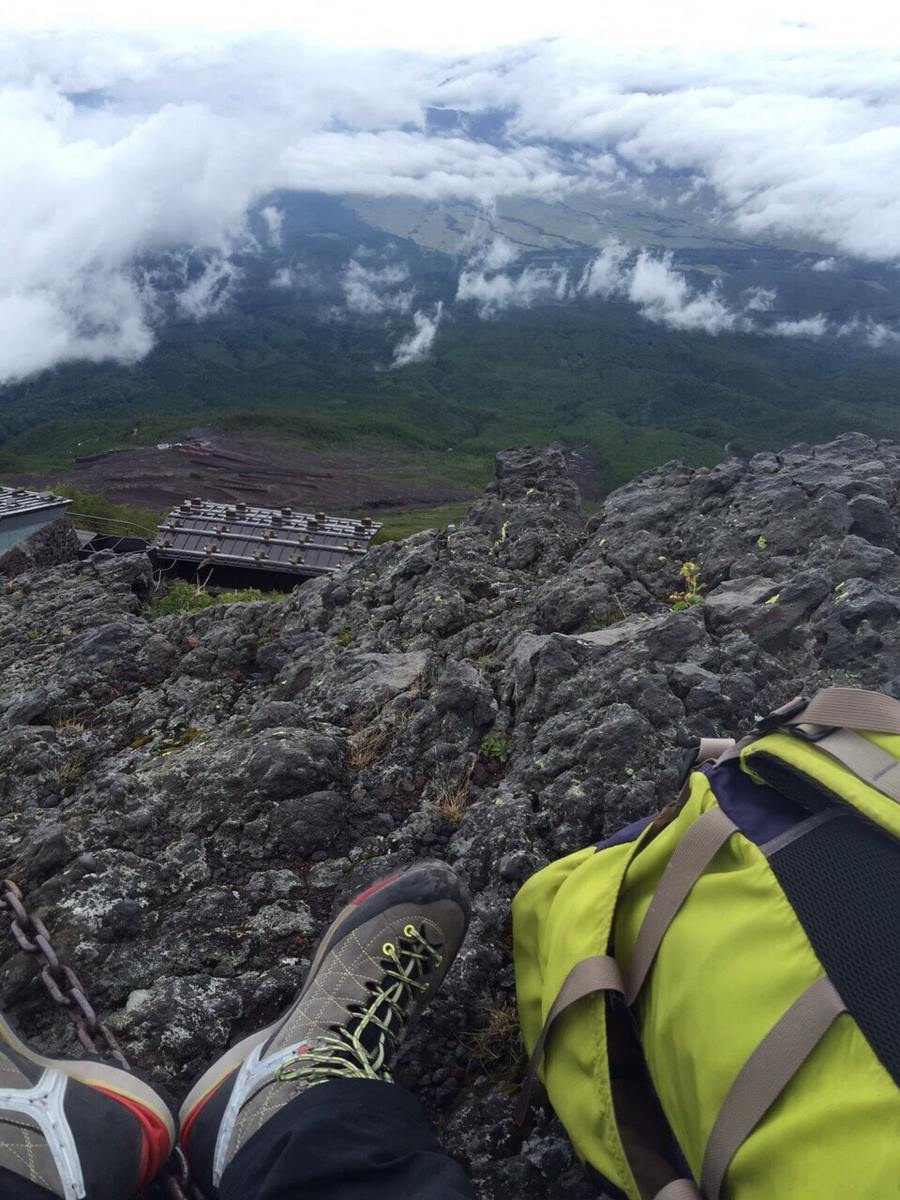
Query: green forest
{"points": [[292, 364], [634, 393]]}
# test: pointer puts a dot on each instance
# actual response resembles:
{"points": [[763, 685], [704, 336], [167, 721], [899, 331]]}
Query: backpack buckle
{"points": [[778, 716]]}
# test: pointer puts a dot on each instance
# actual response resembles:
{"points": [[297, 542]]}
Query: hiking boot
{"points": [[76, 1128], [375, 970]]}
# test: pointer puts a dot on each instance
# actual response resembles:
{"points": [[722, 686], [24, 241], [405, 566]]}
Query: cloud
{"points": [[274, 219], [605, 273], [283, 279], [40, 328], [494, 293], [664, 295], [417, 346], [825, 264], [210, 291], [661, 292], [810, 327], [875, 333], [117, 148], [494, 254], [759, 299], [650, 281], [375, 291]]}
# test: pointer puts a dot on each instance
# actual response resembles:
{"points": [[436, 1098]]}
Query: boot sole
{"points": [[96, 1074]]}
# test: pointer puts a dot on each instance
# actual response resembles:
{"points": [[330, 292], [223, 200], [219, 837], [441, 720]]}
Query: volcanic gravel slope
{"points": [[186, 801]]}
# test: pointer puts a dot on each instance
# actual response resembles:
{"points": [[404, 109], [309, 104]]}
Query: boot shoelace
{"points": [[361, 1048]]}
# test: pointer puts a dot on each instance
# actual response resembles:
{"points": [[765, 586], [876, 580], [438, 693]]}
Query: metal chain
{"points": [[67, 991], [61, 982]]}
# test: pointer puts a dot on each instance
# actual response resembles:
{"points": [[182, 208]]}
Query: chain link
{"points": [[66, 991]]}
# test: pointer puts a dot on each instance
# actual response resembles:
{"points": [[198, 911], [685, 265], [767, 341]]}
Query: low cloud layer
{"points": [[116, 149], [417, 346], [661, 292], [657, 287], [375, 291], [496, 292]]}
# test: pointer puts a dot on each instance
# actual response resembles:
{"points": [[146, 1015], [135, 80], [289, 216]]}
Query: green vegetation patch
{"points": [[496, 746], [91, 511], [190, 597], [404, 522]]}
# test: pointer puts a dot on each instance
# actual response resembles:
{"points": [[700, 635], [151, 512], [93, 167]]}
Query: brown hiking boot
{"points": [[76, 1128], [376, 969]]}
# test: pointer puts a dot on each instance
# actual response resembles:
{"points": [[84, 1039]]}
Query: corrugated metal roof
{"points": [[269, 539], [14, 501]]}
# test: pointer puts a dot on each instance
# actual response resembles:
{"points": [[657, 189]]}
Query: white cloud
{"points": [[283, 279], [875, 333], [40, 328], [274, 219], [825, 264], [417, 346], [652, 282], [375, 291], [605, 274], [115, 148], [811, 327], [664, 295], [760, 299], [494, 293], [494, 254], [210, 291]]}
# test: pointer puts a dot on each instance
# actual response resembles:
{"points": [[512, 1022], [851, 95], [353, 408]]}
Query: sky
{"points": [[156, 130], [470, 25]]}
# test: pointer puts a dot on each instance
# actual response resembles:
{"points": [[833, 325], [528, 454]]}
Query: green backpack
{"points": [[712, 996]]}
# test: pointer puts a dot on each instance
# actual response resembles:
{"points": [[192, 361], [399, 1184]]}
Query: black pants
{"points": [[349, 1139]]}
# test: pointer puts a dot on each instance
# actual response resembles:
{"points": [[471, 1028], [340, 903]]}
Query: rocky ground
{"points": [[187, 800]]}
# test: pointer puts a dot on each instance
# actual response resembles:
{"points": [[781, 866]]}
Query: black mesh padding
{"points": [[842, 879]]}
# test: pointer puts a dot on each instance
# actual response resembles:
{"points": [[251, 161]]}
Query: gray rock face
{"points": [[187, 801], [54, 543]]}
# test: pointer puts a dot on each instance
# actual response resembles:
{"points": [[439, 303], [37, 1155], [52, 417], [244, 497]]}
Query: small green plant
{"points": [[344, 637], [495, 746], [182, 739], [191, 597], [761, 542], [691, 592], [487, 662]]}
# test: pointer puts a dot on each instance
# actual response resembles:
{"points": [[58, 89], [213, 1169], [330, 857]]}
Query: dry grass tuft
{"points": [[67, 773], [496, 1042], [365, 746], [69, 720], [450, 795], [367, 743]]}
